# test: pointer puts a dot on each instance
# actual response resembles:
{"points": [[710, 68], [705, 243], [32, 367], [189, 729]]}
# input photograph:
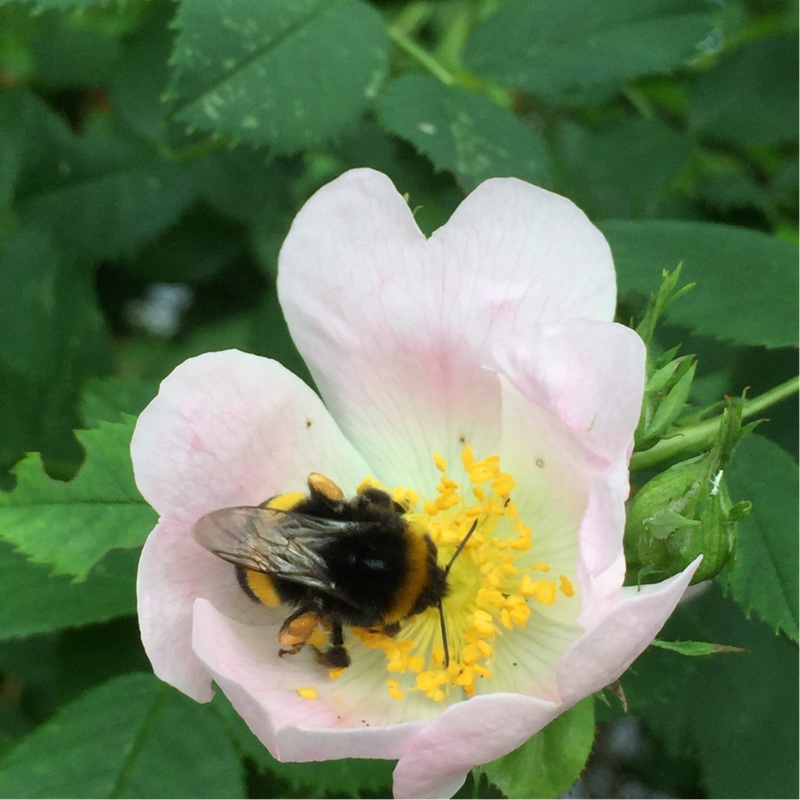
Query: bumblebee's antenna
{"points": [[455, 555]]}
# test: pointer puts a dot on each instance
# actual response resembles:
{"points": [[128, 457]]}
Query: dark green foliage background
{"points": [[149, 142]]}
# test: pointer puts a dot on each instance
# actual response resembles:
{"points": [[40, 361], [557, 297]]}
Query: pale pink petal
{"points": [[395, 329], [599, 592], [165, 609], [600, 537], [588, 374], [231, 428], [602, 654], [553, 475], [173, 571], [438, 755], [263, 688]]}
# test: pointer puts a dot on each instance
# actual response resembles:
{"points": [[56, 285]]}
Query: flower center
{"points": [[492, 581]]}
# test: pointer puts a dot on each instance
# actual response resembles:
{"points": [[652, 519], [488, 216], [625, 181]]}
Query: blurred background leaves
{"points": [[152, 157]]}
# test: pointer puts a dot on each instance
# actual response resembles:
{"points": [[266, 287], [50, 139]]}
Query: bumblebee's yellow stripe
{"points": [[261, 585], [415, 580], [285, 502]]}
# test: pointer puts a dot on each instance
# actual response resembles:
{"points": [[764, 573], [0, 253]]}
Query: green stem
{"points": [[698, 437], [422, 56]]}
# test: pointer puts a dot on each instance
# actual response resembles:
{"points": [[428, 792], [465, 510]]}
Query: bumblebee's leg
{"points": [[391, 629], [297, 629], [336, 655]]}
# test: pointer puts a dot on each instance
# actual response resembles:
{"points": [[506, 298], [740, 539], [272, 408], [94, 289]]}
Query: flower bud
{"points": [[686, 511]]}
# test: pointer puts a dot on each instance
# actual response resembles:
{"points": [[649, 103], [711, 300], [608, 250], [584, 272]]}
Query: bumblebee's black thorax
{"points": [[370, 565]]}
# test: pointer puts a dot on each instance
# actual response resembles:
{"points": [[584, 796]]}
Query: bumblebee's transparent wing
{"points": [[281, 543]]}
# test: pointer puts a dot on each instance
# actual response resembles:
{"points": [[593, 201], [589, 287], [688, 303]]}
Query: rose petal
{"points": [[603, 653], [231, 428], [601, 535], [438, 755], [553, 474], [263, 688], [173, 571], [165, 609], [395, 329], [588, 374]]}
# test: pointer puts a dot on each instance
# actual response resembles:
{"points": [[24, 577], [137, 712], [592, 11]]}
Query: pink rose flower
{"points": [[475, 374]]}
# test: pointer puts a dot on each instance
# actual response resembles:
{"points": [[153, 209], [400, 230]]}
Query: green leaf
{"points": [[736, 716], [624, 169], [142, 75], [131, 737], [764, 578], [54, 50], [108, 398], [289, 74], [550, 762], [747, 281], [695, 648], [32, 601], [103, 193], [552, 47], [72, 525], [52, 337], [463, 132], [68, 5], [46, 303], [750, 96]]}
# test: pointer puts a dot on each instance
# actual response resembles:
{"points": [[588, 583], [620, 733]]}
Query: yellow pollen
{"points": [[467, 457], [503, 484], [417, 663], [394, 690], [307, 692], [336, 673], [431, 680], [493, 583], [317, 638], [482, 620]]}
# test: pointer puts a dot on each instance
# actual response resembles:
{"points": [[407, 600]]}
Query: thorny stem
{"points": [[697, 438]]}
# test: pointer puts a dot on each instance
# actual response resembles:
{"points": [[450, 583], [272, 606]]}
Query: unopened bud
{"points": [[686, 511]]}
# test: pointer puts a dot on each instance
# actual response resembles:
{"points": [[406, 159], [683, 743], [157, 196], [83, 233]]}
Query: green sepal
{"points": [[696, 648], [686, 511]]}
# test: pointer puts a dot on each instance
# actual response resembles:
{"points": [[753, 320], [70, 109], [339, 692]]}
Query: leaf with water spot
{"points": [[288, 74], [463, 132]]}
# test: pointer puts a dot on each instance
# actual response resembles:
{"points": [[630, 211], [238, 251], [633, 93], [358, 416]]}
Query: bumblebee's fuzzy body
{"points": [[341, 562]]}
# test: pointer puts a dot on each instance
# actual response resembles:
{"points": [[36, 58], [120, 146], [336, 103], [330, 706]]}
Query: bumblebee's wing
{"points": [[281, 543]]}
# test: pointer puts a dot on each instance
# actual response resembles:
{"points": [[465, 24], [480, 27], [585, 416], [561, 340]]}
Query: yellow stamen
{"points": [[394, 690], [493, 583], [307, 692]]}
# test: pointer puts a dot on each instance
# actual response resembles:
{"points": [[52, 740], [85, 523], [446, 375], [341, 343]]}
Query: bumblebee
{"points": [[335, 561]]}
